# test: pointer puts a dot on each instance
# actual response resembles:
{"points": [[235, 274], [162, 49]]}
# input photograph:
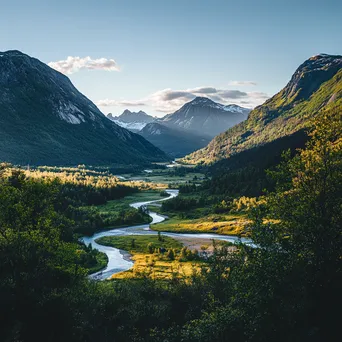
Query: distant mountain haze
{"points": [[134, 121], [175, 142], [186, 130], [314, 88], [44, 119]]}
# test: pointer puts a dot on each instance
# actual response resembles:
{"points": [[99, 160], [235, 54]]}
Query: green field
{"points": [[140, 244], [154, 265], [226, 224], [167, 176]]}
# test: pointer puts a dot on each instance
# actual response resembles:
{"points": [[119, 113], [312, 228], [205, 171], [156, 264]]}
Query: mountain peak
{"points": [[201, 100], [324, 56], [310, 75], [13, 53], [133, 121], [280, 122], [204, 116], [133, 115], [47, 120]]}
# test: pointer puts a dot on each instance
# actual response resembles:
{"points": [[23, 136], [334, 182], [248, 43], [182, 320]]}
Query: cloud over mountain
{"points": [[169, 100], [74, 64]]}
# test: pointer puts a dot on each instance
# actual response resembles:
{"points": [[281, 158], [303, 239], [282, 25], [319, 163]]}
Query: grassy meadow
{"points": [[225, 224], [157, 257]]}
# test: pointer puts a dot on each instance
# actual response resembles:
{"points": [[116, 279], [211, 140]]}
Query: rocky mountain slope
{"points": [[315, 87], [204, 116], [176, 142], [134, 121], [44, 119]]}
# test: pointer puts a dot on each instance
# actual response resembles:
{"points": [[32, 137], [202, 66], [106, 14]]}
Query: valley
{"points": [[211, 223], [138, 237]]}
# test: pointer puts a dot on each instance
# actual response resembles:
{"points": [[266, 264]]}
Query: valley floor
{"points": [[224, 224], [156, 257]]}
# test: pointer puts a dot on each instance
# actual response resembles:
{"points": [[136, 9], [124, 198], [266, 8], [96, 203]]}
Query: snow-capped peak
{"points": [[235, 109]]}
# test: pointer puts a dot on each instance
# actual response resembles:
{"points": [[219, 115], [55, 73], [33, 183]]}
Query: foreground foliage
{"points": [[286, 288]]}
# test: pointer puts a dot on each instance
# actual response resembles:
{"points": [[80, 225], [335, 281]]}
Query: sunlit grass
{"points": [[154, 265], [226, 224], [149, 265]]}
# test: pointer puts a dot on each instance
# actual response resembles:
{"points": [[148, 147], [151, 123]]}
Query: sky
{"points": [[156, 55]]}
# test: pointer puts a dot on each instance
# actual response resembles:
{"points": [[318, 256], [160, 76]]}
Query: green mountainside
{"points": [[315, 86]]}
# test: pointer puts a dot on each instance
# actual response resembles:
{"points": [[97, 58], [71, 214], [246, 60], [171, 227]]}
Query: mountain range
{"points": [[44, 119], [186, 130], [134, 121], [315, 87]]}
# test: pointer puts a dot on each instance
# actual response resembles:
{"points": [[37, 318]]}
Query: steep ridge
{"points": [[44, 119], [315, 86]]}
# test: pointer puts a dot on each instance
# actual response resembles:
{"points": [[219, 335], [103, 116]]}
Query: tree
{"points": [[287, 287], [306, 242], [133, 243], [39, 266], [170, 254]]}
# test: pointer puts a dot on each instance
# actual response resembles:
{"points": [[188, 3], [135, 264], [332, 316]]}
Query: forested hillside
{"points": [[274, 290], [315, 86]]}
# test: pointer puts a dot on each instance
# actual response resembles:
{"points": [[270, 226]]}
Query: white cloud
{"points": [[203, 90], [169, 100], [242, 83], [74, 64]]}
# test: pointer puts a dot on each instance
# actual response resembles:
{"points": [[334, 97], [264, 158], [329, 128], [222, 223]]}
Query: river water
{"points": [[119, 261]]}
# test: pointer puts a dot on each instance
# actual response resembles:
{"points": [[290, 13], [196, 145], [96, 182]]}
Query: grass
{"points": [[154, 265], [124, 203], [151, 266], [166, 176], [140, 244], [225, 224]]}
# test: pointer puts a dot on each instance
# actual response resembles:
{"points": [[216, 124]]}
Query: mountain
{"points": [[44, 119], [134, 121], [316, 86], [203, 115], [176, 142], [186, 130]]}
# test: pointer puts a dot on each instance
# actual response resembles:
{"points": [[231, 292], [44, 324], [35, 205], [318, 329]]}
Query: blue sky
{"points": [[166, 52]]}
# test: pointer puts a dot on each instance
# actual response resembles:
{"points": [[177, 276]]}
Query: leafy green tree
{"points": [[38, 263], [288, 287]]}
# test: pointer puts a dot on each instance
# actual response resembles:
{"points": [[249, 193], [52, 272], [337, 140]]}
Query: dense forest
{"points": [[287, 286]]}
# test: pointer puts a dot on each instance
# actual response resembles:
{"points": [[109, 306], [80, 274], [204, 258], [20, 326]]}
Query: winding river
{"points": [[119, 261]]}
